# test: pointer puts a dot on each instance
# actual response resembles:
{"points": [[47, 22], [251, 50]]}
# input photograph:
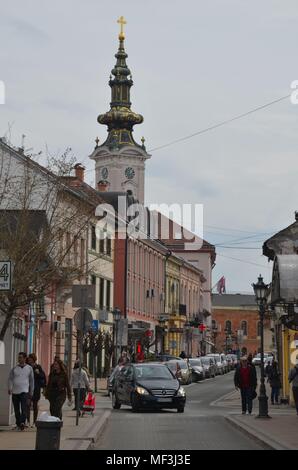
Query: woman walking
{"points": [[58, 388], [81, 379], [245, 379], [39, 383]]}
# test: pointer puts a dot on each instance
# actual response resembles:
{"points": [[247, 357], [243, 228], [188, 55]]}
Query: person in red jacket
{"points": [[245, 379]]}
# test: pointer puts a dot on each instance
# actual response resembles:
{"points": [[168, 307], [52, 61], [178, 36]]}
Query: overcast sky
{"points": [[194, 64]]}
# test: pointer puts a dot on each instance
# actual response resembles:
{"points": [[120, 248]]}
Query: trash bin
{"points": [[48, 435]]}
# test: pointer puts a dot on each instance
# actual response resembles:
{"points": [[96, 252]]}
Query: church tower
{"points": [[120, 161]]}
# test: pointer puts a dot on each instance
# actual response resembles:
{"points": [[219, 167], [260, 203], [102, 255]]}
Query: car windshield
{"points": [[153, 372], [195, 362], [206, 360]]}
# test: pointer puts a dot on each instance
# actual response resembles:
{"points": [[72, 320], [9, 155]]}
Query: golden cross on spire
{"points": [[122, 22]]}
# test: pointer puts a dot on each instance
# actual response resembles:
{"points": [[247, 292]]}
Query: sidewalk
{"points": [[277, 433], [81, 437]]}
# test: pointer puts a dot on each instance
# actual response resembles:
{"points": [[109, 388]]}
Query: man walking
{"points": [[21, 386], [293, 379], [245, 379]]}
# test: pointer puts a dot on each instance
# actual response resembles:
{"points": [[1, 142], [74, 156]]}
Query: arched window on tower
{"points": [[228, 327], [243, 327]]}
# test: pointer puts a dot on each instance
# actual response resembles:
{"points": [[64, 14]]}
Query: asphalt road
{"points": [[202, 425]]}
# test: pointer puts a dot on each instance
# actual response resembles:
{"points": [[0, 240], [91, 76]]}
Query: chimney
{"points": [[79, 169], [102, 186]]}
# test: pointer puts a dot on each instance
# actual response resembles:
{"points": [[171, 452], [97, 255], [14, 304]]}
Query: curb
{"points": [[257, 436], [86, 438]]}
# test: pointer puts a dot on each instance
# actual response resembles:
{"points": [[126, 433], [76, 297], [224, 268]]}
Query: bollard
{"points": [[48, 435]]}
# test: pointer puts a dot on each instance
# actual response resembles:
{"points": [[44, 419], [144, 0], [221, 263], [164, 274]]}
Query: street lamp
{"points": [[117, 317], [261, 292]]}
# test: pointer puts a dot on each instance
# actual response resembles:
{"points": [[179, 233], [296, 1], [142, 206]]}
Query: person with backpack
{"points": [[293, 379], [245, 379], [40, 382], [273, 375]]}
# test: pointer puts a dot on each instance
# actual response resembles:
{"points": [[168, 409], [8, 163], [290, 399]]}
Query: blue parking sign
{"points": [[95, 325]]}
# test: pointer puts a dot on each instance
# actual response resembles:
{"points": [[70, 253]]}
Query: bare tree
{"points": [[42, 221]]}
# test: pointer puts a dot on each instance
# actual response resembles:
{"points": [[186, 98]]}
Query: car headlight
{"points": [[142, 391], [181, 392]]}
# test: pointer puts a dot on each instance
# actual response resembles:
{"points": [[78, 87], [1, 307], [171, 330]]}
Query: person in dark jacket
{"points": [[57, 389], [245, 379], [40, 382], [275, 382]]}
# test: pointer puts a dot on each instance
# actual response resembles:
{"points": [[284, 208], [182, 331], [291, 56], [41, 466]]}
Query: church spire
{"points": [[120, 119]]}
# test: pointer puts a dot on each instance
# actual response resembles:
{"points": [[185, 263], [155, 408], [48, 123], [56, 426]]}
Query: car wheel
{"points": [[180, 409], [134, 404], [115, 403]]}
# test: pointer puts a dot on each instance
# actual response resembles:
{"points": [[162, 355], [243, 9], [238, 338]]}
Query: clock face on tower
{"points": [[104, 173], [129, 173]]}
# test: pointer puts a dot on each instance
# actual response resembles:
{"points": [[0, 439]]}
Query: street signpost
{"points": [[83, 320], [5, 276], [95, 326], [83, 296]]}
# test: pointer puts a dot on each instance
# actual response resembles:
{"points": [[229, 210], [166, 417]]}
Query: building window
{"points": [[108, 302], [243, 327], [109, 246], [68, 247], [93, 280], [93, 238], [82, 254], [259, 328], [102, 244], [101, 292], [228, 326]]}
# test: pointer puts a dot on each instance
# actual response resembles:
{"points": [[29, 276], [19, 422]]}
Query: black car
{"points": [[147, 385]]}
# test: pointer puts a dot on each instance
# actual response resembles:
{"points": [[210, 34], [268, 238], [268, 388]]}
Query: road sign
{"points": [[83, 320], [5, 275], [95, 326], [83, 296]]}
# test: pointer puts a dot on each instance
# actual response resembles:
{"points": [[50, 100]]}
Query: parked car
{"points": [[219, 363], [209, 366], [197, 369], [147, 385], [167, 357], [233, 360], [181, 369], [257, 359], [225, 363]]}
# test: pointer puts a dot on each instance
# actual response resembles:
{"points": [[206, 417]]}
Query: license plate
{"points": [[164, 400]]}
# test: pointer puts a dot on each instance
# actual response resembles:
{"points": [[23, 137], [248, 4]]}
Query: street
{"points": [[201, 427]]}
